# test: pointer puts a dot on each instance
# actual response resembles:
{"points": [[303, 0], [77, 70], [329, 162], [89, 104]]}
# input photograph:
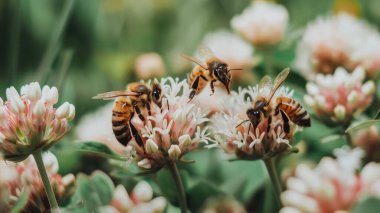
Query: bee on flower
{"points": [[338, 97], [259, 122], [163, 131], [263, 23], [29, 121], [17, 178], [338, 41], [334, 185]]}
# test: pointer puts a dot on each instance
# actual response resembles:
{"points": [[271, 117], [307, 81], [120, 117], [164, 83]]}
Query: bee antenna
{"points": [[235, 69]]}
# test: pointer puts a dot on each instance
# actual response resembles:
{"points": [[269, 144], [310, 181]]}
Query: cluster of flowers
{"points": [[334, 185], [16, 179]]}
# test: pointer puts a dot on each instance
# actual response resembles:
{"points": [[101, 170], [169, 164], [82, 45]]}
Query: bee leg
{"points": [[212, 87], [147, 105], [136, 135], [269, 123], [194, 88], [138, 111], [286, 121]]}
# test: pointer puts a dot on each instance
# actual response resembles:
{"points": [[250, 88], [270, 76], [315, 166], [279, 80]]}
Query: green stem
{"points": [[45, 179], [178, 182], [268, 56], [274, 179], [348, 139]]}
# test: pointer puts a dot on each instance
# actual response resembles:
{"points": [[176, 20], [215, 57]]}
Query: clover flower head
{"points": [[331, 186], [29, 121], [338, 41], [243, 140], [139, 200], [262, 23], [337, 98], [16, 178], [170, 131]]}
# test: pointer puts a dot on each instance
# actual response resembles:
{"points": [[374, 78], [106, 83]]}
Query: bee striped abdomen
{"points": [[296, 113], [198, 71], [122, 113]]}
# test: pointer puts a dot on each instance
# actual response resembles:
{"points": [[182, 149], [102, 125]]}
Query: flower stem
{"points": [[45, 179], [349, 139], [178, 182], [274, 179], [268, 56]]}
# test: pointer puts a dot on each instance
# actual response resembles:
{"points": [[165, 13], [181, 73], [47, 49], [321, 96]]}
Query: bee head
{"points": [[255, 116], [221, 73], [157, 94]]}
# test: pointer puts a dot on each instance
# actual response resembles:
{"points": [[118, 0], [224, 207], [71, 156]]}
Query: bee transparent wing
{"points": [[205, 52], [265, 83], [115, 94], [278, 81], [194, 60]]}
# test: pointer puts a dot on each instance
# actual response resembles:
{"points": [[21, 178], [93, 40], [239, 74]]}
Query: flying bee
{"points": [[289, 109], [128, 102], [212, 69]]}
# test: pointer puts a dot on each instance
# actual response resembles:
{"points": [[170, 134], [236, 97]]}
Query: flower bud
{"points": [[309, 100], [39, 108], [52, 96], [340, 112], [142, 191], [150, 146], [71, 114], [185, 141], [63, 111], [11, 93], [50, 162], [121, 195], [174, 152], [368, 88], [144, 163], [352, 97]]}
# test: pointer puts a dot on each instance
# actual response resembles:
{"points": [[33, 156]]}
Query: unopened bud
{"points": [[144, 163], [174, 152], [309, 100], [71, 113], [352, 97], [63, 111], [143, 192], [150, 146], [368, 88], [185, 141], [39, 108], [340, 112]]}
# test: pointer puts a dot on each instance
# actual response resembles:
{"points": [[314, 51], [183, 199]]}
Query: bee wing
{"points": [[194, 60], [278, 82], [265, 82], [115, 94], [205, 52]]}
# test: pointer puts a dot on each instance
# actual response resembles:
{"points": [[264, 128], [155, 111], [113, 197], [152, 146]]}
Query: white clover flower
{"points": [[338, 41], [29, 120], [139, 201], [97, 126], [331, 186], [171, 131], [17, 177], [149, 65], [257, 143], [339, 97], [263, 23]]}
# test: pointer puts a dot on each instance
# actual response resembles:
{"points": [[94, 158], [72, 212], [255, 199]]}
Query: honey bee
{"points": [[289, 109], [128, 102], [213, 70]]}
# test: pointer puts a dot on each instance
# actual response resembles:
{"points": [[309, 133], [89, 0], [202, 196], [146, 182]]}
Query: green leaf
{"points": [[99, 149], [21, 202], [363, 125], [369, 205], [199, 194], [92, 191]]}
